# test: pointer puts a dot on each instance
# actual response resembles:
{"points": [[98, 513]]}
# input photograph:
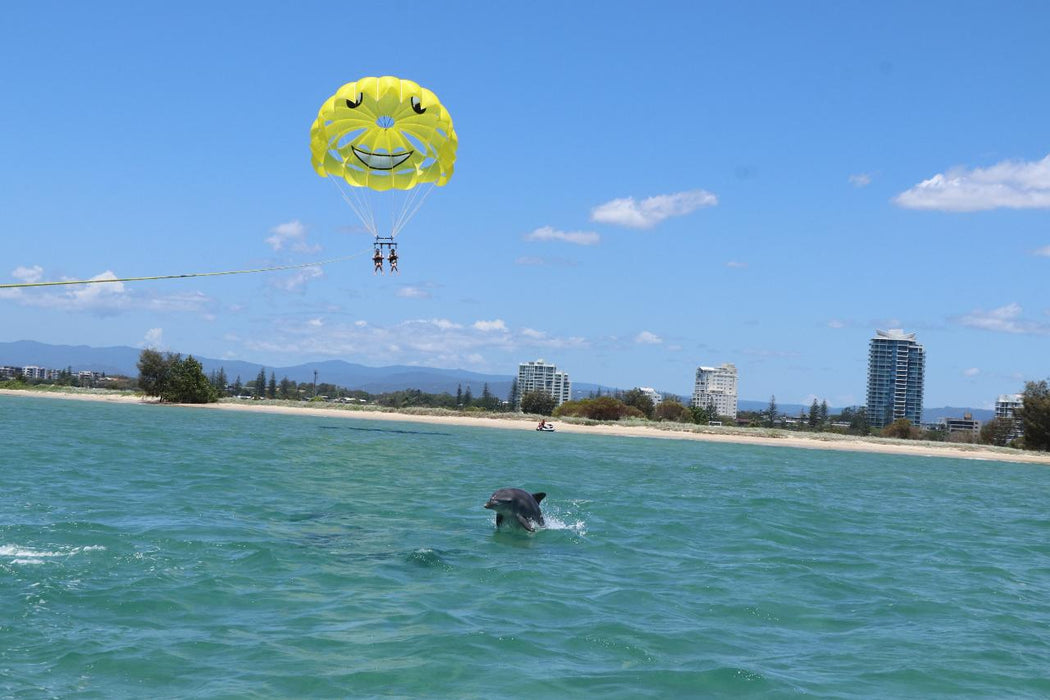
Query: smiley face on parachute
{"points": [[384, 133]]}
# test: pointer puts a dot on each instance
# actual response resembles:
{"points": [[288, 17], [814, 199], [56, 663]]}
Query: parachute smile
{"points": [[381, 161]]}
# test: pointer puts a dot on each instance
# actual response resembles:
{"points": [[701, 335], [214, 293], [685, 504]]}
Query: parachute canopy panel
{"points": [[384, 133]]}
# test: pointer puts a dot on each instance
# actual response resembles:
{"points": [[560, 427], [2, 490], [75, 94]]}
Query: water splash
{"points": [[28, 556]]}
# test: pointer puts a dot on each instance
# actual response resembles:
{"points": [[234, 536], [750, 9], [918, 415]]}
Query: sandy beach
{"points": [[666, 431]]}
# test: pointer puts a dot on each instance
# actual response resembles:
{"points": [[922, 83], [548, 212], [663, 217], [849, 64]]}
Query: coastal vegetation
{"points": [[1035, 415], [175, 379]]}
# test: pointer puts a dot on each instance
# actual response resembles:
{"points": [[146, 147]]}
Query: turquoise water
{"points": [[150, 551]]}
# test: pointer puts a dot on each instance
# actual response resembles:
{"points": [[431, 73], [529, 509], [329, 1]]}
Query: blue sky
{"points": [[640, 188]]}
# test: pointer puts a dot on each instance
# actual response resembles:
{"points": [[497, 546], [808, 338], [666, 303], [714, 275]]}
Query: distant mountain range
{"points": [[122, 360]]}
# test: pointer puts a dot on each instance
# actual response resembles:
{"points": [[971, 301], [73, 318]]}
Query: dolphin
{"points": [[520, 507]]}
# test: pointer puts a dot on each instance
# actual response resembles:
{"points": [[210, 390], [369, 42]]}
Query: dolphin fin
{"points": [[539, 496], [524, 522], [499, 519]]}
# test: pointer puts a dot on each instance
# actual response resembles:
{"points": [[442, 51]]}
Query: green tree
{"points": [[538, 402], [771, 412], [702, 416], [640, 400], [468, 398], [822, 416], [287, 389], [259, 390], [901, 428], [174, 379], [487, 400], [238, 387], [459, 394], [1035, 415], [154, 368], [858, 420], [814, 414], [187, 384], [218, 380], [601, 408], [514, 395], [673, 411], [998, 431]]}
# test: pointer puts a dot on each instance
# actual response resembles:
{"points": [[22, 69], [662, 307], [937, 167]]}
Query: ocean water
{"points": [[153, 551]]}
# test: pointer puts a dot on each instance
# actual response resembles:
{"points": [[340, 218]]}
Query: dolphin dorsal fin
{"points": [[539, 496]]}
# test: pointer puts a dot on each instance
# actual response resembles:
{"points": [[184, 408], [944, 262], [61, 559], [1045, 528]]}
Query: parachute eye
{"points": [[416, 106], [354, 105]]}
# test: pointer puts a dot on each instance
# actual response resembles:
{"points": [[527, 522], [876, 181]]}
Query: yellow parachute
{"points": [[384, 135]]}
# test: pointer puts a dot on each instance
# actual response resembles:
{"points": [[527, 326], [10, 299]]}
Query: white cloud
{"points": [[104, 295], [105, 288], [486, 326], [294, 234], [971, 372], [412, 293], [652, 210], [315, 322], [1009, 184], [182, 301], [28, 274], [298, 279], [436, 342], [548, 233], [1042, 252], [1005, 319], [860, 179], [736, 264], [835, 323], [647, 338], [154, 338]]}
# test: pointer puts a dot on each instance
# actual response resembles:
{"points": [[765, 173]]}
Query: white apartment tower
{"points": [[1006, 407], [716, 386], [540, 376], [1006, 404], [896, 365]]}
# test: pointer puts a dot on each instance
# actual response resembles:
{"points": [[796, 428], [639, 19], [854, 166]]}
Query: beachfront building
{"points": [[716, 386], [1006, 407], [966, 424], [540, 376], [1007, 404], [655, 396], [896, 369]]}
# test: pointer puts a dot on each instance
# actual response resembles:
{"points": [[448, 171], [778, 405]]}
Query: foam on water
{"points": [[555, 519], [27, 555]]}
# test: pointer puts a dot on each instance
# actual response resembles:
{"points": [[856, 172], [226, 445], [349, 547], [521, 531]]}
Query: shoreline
{"points": [[666, 431]]}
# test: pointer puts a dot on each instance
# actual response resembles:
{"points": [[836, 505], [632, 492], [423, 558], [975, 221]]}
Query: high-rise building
{"points": [[540, 376], [896, 369], [1006, 404], [1006, 407], [716, 386]]}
